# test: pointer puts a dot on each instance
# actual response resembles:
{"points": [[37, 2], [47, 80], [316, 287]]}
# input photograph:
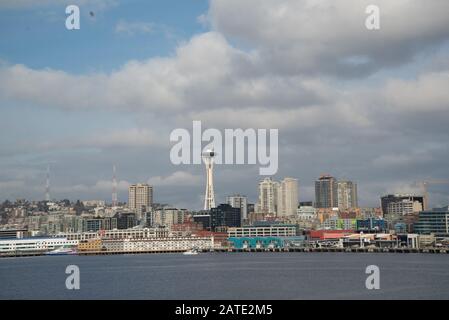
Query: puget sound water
{"points": [[267, 276]]}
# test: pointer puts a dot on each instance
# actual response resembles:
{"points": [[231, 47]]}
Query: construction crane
{"points": [[424, 185]]}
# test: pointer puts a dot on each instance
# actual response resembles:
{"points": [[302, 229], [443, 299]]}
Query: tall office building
{"points": [[268, 196], [347, 195], [140, 198], [326, 195], [288, 197], [239, 201]]}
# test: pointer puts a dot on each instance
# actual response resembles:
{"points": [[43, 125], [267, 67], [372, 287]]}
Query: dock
{"points": [[250, 250]]}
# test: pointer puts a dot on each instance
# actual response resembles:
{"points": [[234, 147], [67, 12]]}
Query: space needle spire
{"points": [[209, 198]]}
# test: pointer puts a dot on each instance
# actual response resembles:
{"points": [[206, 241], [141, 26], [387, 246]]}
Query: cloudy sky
{"points": [[369, 106]]}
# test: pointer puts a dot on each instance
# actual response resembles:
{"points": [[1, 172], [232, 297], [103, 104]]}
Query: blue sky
{"points": [[38, 38], [111, 93]]}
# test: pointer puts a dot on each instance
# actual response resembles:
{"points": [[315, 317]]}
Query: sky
{"points": [[370, 106]]}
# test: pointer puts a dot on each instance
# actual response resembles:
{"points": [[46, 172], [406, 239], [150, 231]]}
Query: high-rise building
{"points": [[288, 197], [239, 201], [347, 195], [268, 196], [386, 200], [140, 198], [326, 192]]}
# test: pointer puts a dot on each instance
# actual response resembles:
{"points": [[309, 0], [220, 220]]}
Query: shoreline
{"points": [[233, 250]]}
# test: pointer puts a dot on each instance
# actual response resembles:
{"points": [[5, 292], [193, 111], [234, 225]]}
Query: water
{"points": [[228, 276]]}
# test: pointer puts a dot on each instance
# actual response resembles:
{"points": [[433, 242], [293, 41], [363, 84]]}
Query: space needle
{"points": [[209, 198]]}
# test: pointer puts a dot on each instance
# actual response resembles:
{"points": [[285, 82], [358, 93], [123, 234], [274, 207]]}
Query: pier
{"points": [[249, 250]]}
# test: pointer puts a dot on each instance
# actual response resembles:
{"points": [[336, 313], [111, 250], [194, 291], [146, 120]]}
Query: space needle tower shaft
{"points": [[209, 198]]}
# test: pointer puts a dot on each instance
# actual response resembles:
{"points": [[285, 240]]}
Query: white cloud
{"points": [[134, 137], [101, 186], [426, 94], [292, 74], [324, 37], [178, 178]]}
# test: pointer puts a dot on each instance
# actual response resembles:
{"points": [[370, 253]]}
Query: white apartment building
{"points": [[35, 244], [288, 197], [136, 233], [159, 244], [140, 198], [262, 231], [347, 195], [268, 196]]}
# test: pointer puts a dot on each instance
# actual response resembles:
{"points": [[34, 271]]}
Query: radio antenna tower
{"points": [[209, 198], [114, 187], [47, 185]]}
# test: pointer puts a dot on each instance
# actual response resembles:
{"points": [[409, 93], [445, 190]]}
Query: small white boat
{"points": [[191, 252], [60, 252]]}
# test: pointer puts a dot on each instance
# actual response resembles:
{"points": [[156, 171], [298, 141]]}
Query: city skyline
{"points": [[111, 93], [352, 193]]}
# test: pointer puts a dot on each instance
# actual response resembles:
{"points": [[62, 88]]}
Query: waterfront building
{"points": [[277, 230], [166, 244], [90, 245], [135, 233], [266, 242], [347, 195], [434, 221], [140, 198], [36, 244], [326, 192]]}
